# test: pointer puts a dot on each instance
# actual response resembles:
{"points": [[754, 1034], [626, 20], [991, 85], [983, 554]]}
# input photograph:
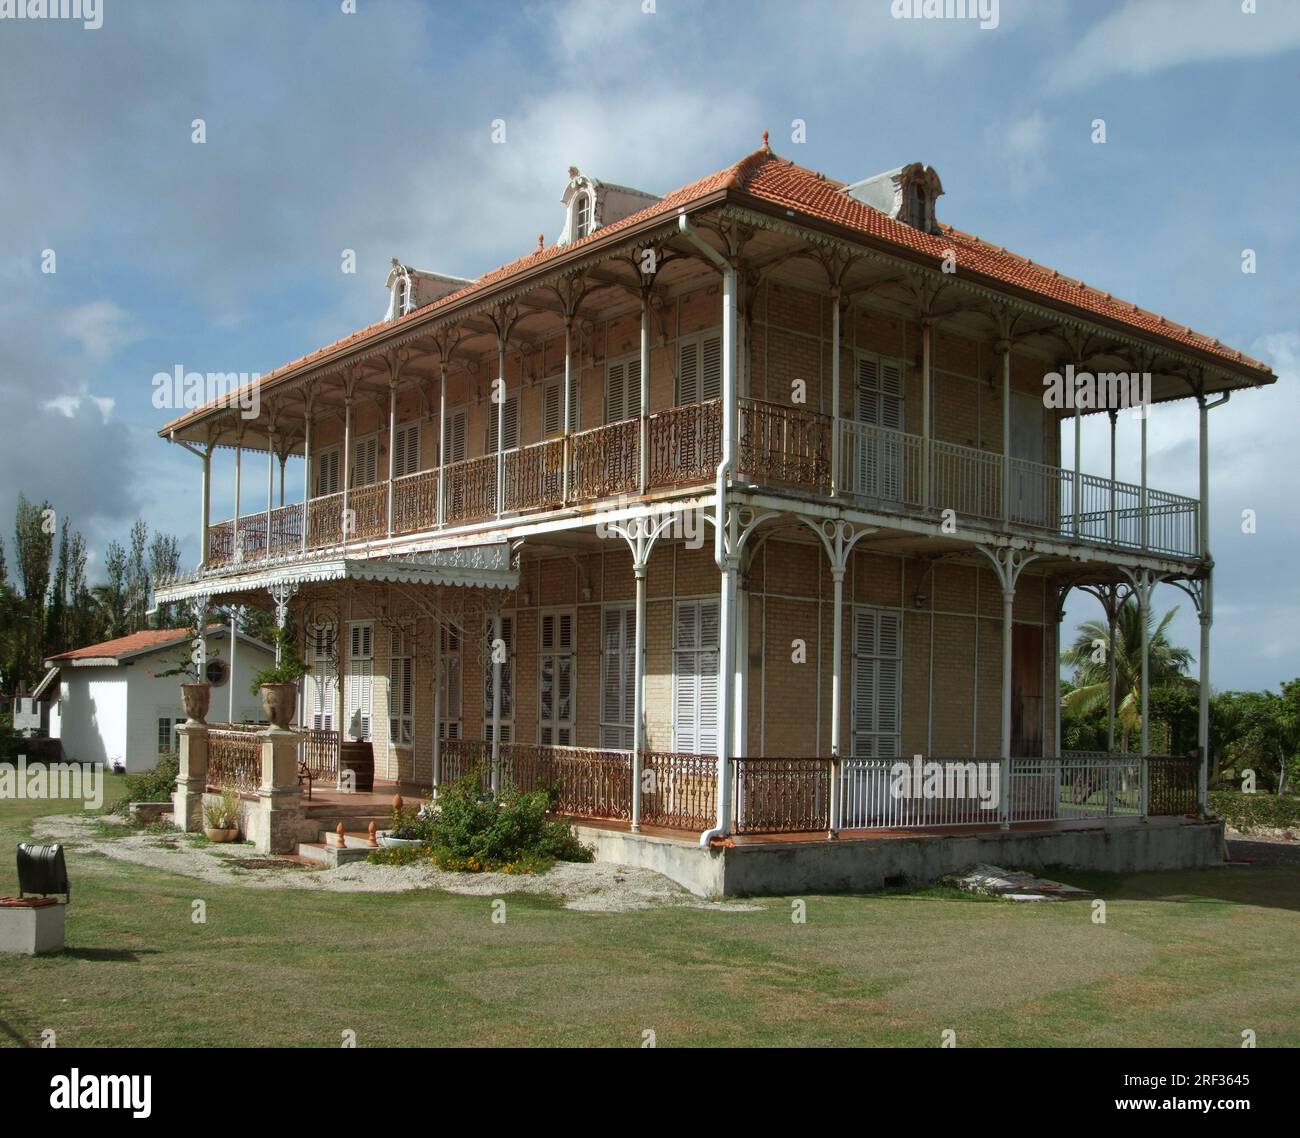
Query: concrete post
{"points": [[191, 778], [279, 809]]}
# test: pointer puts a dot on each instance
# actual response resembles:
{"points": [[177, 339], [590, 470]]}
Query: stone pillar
{"points": [[192, 778], [279, 809]]}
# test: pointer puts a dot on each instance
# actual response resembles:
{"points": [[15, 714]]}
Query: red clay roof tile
{"points": [[779, 181]]}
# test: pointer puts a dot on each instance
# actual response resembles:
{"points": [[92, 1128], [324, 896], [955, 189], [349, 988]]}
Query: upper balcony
{"points": [[782, 448]]}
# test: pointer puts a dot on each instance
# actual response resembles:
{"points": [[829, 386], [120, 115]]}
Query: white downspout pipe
{"points": [[726, 565]]}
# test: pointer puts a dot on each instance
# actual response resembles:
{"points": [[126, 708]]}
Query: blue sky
{"points": [[370, 131]]}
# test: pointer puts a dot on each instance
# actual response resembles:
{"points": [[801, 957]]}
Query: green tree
{"points": [[1087, 656], [33, 545]]}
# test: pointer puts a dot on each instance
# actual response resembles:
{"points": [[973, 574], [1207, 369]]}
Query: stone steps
{"points": [[329, 853]]}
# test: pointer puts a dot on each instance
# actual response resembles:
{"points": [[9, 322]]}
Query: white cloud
{"points": [[69, 406], [1023, 144], [100, 329], [1147, 36]]}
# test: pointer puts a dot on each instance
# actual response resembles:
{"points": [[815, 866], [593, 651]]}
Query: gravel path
{"points": [[594, 887]]}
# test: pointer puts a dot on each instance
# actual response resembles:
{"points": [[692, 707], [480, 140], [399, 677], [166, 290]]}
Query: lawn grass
{"points": [[1187, 958]]}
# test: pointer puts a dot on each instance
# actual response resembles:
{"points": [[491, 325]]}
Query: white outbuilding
{"points": [[114, 707]]}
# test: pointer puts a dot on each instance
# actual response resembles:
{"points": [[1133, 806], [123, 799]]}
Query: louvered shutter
{"points": [[695, 677], [360, 681], [688, 372], [623, 389], [555, 679], [365, 462], [510, 428], [322, 683], [456, 448], [880, 457], [406, 450], [450, 681], [552, 409], [877, 683], [327, 472], [618, 671]]}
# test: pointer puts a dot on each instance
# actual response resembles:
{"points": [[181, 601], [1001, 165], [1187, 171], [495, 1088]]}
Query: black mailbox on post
{"points": [[41, 869]]}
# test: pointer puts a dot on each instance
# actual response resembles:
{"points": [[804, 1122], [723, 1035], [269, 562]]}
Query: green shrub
{"points": [[156, 785], [1247, 812], [511, 828]]}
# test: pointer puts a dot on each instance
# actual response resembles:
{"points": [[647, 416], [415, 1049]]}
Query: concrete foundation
{"points": [[29, 930], [782, 868]]}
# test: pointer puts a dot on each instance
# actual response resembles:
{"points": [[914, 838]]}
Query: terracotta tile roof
{"points": [[765, 177], [147, 640]]}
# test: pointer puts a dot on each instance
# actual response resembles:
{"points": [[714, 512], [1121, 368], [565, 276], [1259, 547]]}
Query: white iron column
{"points": [[306, 478], [835, 390], [1146, 526], [230, 680], [392, 443], [442, 439], [499, 392], [1145, 585], [568, 408], [497, 648], [1112, 614], [270, 486], [205, 509], [347, 466], [927, 356], [638, 690], [1206, 611], [1112, 530], [237, 547], [439, 632], [837, 686], [725, 552], [643, 435], [1004, 349], [1077, 490]]}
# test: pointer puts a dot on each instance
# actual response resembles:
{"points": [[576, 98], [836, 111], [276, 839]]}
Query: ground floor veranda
{"points": [[846, 654]]}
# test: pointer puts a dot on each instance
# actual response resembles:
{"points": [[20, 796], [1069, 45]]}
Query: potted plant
{"points": [[278, 684], [196, 691], [221, 816], [408, 827]]}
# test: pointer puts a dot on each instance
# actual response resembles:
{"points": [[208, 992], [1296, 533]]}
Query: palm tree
{"points": [[1092, 671]]}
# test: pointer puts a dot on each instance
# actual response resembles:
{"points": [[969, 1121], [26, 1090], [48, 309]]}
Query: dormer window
{"points": [[918, 206], [581, 216]]}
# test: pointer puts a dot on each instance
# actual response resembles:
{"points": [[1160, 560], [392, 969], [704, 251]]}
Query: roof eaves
{"points": [[1259, 372], [388, 334]]}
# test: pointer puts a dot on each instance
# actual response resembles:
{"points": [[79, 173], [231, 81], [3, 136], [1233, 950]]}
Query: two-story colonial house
{"points": [[717, 506]]}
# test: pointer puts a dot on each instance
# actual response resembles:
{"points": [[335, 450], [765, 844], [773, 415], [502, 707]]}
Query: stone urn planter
{"points": [[220, 835], [279, 701], [386, 839], [196, 698]]}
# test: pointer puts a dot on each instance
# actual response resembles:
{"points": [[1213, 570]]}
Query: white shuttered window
{"points": [[623, 389], [401, 688], [877, 682], [406, 449], [449, 681], [360, 680], [322, 683], [556, 678], [617, 675], [695, 677], [699, 368]]}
